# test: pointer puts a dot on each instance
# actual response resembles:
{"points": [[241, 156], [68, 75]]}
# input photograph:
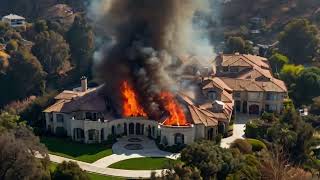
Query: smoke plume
{"points": [[147, 37]]}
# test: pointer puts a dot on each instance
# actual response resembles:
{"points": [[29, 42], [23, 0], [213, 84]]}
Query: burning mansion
{"points": [[202, 107]]}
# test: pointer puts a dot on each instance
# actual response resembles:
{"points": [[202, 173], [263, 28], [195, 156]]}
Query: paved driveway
{"points": [[238, 129]]}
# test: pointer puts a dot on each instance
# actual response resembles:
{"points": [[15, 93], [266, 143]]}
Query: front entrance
{"points": [[238, 106], [254, 109]]}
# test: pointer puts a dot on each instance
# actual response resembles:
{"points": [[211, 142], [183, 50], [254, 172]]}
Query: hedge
{"points": [[257, 145]]}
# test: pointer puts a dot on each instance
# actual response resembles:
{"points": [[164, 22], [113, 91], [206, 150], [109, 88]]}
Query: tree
{"points": [[275, 165], [315, 106], [212, 160], [69, 171], [289, 73], [24, 77], [12, 45], [179, 171], [52, 51], [18, 149], [40, 26], [277, 61], [299, 41], [307, 86], [235, 44], [81, 40]]}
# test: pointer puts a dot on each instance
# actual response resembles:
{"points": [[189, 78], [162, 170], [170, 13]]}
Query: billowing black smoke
{"points": [[148, 36]]}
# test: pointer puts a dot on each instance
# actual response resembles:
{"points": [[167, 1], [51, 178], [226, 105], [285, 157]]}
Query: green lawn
{"points": [[73, 150], [92, 176], [143, 164]]}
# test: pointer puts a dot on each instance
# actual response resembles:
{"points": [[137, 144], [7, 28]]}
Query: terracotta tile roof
{"points": [[202, 112], [71, 101], [274, 85], [216, 82], [204, 117], [256, 73], [235, 60], [259, 65]]}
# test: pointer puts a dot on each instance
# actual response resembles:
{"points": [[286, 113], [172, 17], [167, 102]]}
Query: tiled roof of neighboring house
{"points": [[274, 85], [14, 16], [244, 60], [256, 73], [260, 66]]}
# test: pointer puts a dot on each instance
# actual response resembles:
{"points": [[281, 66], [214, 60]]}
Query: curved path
{"points": [[134, 174], [238, 129], [119, 154]]}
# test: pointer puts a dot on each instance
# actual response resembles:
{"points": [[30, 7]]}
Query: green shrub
{"points": [[255, 129], [256, 144], [243, 146], [69, 170], [230, 130], [111, 139]]}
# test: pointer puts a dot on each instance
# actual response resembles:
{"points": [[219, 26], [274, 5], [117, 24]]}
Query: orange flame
{"points": [[131, 106], [176, 114]]}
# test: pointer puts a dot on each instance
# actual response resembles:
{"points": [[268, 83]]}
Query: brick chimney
{"points": [[84, 84]]}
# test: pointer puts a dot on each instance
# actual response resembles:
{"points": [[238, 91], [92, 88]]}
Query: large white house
{"points": [[85, 115], [14, 20], [242, 82]]}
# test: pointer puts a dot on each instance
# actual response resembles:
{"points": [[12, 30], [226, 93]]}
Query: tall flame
{"points": [[131, 106], [176, 114]]}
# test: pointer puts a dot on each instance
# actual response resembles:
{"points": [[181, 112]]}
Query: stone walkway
{"points": [[120, 153], [130, 174], [238, 129]]}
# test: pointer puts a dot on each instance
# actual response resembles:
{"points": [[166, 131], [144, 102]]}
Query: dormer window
{"points": [[212, 95], [225, 69], [234, 69]]}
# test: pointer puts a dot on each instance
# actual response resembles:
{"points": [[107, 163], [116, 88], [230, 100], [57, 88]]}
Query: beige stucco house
{"points": [[250, 77]]}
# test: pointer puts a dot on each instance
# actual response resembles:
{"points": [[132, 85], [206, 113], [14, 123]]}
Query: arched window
{"points": [[178, 138], [113, 130], [93, 135], [138, 129], [254, 109], [131, 129], [125, 129], [102, 134], [78, 134]]}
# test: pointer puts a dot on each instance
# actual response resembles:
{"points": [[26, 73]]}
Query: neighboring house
{"points": [[86, 115], [250, 77], [14, 20]]}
